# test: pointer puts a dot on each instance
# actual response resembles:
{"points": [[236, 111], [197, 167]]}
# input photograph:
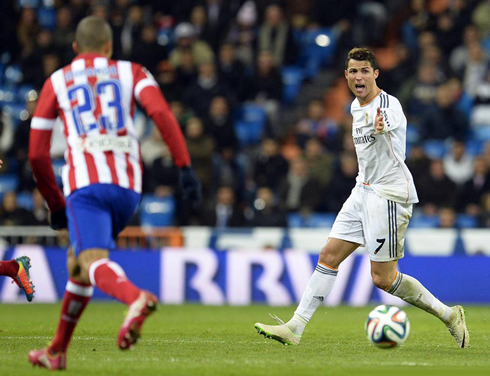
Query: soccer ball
{"points": [[387, 326]]}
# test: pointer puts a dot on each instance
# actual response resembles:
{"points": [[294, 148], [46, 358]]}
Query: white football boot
{"points": [[280, 333], [458, 328]]}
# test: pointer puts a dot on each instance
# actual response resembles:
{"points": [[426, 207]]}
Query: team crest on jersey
{"points": [[367, 118]]}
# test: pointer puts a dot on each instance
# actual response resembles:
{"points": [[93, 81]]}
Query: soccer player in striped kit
{"points": [[95, 98], [377, 212]]}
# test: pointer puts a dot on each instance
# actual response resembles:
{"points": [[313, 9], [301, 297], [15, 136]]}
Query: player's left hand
{"points": [[58, 220], [379, 123], [191, 186]]}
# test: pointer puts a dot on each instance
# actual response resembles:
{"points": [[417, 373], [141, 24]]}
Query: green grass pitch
{"points": [[200, 340]]}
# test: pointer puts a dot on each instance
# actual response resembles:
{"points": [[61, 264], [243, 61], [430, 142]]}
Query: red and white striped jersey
{"points": [[95, 98]]}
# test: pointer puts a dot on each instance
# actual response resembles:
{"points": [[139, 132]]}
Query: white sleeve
{"points": [[393, 114]]}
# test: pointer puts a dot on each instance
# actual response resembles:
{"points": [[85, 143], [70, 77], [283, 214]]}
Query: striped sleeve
{"points": [[392, 112], [142, 79], [39, 144]]}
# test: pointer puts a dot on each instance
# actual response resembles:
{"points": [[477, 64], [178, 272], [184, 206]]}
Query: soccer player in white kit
{"points": [[377, 212]]}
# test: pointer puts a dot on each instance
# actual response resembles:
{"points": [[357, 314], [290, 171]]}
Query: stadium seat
{"points": [[24, 200], [250, 124], [466, 221], [157, 211], [317, 49], [474, 147], [413, 134], [47, 17], [481, 133], [8, 94], [321, 220], [13, 74], [435, 149], [424, 221], [295, 220], [292, 78], [8, 182]]}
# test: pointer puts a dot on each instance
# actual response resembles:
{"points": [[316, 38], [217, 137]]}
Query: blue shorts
{"points": [[97, 214]]}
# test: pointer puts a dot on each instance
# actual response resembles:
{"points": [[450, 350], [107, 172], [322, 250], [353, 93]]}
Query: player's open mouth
{"points": [[359, 88]]}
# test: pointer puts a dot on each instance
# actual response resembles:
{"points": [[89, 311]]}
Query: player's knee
{"points": [[328, 257], [381, 281]]}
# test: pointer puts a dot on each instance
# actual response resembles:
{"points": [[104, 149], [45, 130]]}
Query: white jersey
{"points": [[381, 157]]}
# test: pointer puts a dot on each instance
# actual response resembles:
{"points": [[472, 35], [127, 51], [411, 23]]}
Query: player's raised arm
{"points": [[39, 144]]}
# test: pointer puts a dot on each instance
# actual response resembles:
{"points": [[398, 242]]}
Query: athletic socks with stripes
{"points": [[412, 291], [318, 288]]}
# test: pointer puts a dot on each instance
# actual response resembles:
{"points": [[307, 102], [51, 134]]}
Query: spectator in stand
{"points": [[481, 18], [39, 209], [419, 93], [458, 164], [166, 77], [229, 170], [316, 124], [64, 34], [6, 139], [131, 30], [392, 79], [219, 124], [460, 55], [436, 189], [209, 85], [472, 191], [185, 35], [201, 149], [151, 148], [242, 33], [146, 51], [447, 217], [164, 176], [320, 162], [484, 217], [265, 87], [231, 70], [211, 21], [418, 163], [443, 120], [27, 29], [447, 31], [475, 68], [463, 101], [187, 70], [270, 167], [343, 181], [21, 144], [276, 35], [480, 116], [13, 215], [223, 213], [181, 113], [31, 69], [265, 211], [300, 191]]}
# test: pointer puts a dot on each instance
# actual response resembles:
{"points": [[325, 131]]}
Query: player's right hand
{"points": [[379, 122], [191, 186], [58, 220]]}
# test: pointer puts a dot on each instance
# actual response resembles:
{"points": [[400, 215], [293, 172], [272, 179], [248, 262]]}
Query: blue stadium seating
{"points": [[466, 221], [317, 49], [8, 182], [423, 221], [22, 92], [157, 211], [17, 111], [47, 17], [314, 220], [292, 78], [474, 147], [24, 200], [250, 124], [435, 149], [13, 75], [8, 94], [295, 220], [481, 133]]}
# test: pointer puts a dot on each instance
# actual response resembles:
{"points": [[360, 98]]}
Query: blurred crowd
{"points": [[212, 57]]}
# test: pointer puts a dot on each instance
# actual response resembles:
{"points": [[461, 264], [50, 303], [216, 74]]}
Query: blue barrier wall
{"points": [[245, 277]]}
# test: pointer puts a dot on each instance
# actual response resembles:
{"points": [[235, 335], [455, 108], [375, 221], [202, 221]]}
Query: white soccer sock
{"points": [[319, 286], [413, 292]]}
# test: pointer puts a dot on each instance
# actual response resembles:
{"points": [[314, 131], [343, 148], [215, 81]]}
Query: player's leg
{"points": [[77, 296], [18, 270], [385, 234], [345, 238]]}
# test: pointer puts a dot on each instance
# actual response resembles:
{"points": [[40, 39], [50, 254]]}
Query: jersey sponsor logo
{"points": [[364, 139], [104, 142]]}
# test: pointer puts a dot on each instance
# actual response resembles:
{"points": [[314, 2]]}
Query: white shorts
{"points": [[374, 222]]}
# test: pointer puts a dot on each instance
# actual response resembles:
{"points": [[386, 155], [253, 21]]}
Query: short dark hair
{"points": [[92, 33], [361, 54]]}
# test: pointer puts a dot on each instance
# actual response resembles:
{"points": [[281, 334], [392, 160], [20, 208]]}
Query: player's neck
{"points": [[368, 99]]}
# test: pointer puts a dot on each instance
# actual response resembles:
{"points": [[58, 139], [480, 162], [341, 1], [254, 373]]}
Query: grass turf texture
{"points": [[199, 340]]}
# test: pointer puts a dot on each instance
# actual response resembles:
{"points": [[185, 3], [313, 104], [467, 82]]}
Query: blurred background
{"points": [[259, 91]]}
